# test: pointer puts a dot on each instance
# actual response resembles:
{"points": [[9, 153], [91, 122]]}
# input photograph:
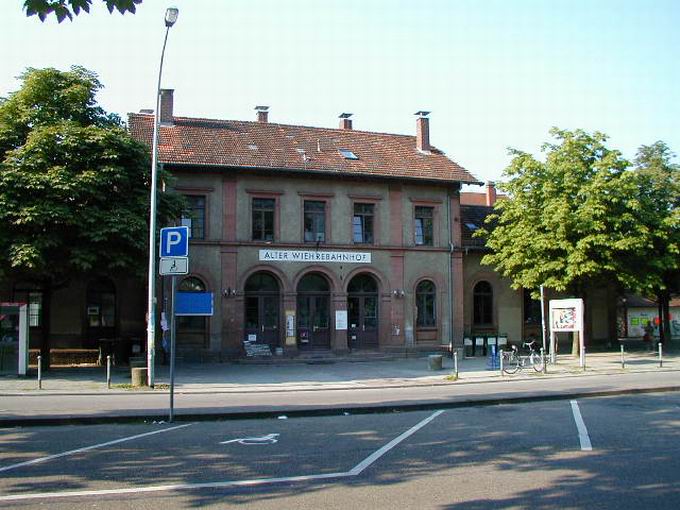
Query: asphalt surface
{"points": [[519, 455], [37, 408]]}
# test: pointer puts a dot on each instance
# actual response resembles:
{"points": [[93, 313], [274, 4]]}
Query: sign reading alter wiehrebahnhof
{"points": [[347, 257]]}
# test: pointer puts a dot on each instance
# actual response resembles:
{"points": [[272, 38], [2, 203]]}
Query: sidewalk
{"points": [[240, 391], [319, 375]]}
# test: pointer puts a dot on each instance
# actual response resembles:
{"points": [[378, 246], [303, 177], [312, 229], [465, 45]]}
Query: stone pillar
{"points": [[338, 337], [290, 347]]}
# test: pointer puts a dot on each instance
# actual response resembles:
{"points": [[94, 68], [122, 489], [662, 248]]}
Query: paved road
{"points": [[37, 406], [529, 455]]}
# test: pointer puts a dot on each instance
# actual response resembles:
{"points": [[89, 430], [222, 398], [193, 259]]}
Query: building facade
{"points": [[313, 238]]}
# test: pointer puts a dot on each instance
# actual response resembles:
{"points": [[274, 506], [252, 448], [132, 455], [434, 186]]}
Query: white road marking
{"points": [[88, 448], [581, 426], [382, 451], [355, 471], [268, 439]]}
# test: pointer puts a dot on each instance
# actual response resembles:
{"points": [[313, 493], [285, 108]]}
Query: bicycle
{"points": [[512, 361]]}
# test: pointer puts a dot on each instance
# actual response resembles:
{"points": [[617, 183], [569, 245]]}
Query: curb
{"points": [[322, 411], [402, 384]]}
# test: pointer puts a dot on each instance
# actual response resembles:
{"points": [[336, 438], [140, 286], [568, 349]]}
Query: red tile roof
{"points": [[280, 146]]}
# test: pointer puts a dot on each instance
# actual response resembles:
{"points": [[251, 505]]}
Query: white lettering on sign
{"points": [[348, 257], [173, 239]]}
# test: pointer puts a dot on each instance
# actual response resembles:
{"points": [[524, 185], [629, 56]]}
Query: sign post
{"points": [[174, 260]]}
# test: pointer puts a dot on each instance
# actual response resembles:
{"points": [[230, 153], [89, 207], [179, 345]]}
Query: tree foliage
{"points": [[581, 216], [63, 9], [74, 186]]}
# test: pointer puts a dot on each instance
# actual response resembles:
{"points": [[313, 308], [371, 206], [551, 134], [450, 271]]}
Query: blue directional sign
{"points": [[174, 242]]}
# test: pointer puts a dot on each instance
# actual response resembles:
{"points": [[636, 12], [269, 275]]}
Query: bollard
{"points": [[623, 358], [455, 364], [108, 372], [500, 361], [660, 355], [545, 368], [40, 372]]}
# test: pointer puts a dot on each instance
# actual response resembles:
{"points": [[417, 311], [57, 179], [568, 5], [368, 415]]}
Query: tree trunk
{"points": [[662, 321], [666, 318], [46, 341]]}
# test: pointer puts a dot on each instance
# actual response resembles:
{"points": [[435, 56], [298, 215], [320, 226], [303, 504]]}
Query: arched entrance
{"points": [[362, 305], [313, 312], [262, 309]]}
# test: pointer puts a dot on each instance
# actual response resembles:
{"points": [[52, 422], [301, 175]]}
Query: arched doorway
{"points": [[262, 309], [192, 330], [362, 306], [313, 312]]}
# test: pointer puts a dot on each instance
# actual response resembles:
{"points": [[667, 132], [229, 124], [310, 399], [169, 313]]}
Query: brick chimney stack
{"points": [[490, 193], [423, 131], [345, 121], [262, 113], [166, 109]]}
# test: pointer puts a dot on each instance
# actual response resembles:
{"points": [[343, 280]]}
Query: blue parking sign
{"points": [[174, 242]]}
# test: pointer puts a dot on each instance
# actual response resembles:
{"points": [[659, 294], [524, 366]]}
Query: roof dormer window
{"points": [[347, 154]]}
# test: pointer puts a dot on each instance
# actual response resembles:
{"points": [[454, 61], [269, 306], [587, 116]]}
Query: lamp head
{"points": [[171, 14]]}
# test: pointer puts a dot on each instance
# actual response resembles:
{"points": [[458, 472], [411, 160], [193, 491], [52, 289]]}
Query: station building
{"points": [[311, 239]]}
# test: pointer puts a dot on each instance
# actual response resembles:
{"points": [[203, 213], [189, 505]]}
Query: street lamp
{"points": [[170, 18]]}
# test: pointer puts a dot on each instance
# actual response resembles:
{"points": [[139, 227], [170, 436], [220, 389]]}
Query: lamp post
{"points": [[170, 18]]}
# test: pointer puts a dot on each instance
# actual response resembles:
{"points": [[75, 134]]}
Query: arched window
{"points": [[426, 304], [482, 304], [192, 329], [362, 283]]}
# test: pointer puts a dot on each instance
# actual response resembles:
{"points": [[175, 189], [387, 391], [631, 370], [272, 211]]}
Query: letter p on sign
{"points": [[174, 242]]}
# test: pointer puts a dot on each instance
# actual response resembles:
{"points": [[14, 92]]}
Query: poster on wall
{"points": [[340, 320]]}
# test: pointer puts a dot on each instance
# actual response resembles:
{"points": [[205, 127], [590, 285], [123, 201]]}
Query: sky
{"points": [[494, 74]]}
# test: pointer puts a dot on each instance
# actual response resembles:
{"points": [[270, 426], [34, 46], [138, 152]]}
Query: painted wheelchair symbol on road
{"points": [[268, 439]]}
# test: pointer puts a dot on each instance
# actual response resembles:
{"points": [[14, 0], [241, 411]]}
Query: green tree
{"points": [[659, 194], [573, 219], [74, 186], [63, 9]]}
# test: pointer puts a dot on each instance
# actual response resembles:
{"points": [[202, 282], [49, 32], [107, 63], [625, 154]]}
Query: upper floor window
{"points": [[362, 224], [263, 219], [315, 221], [424, 225], [194, 217]]}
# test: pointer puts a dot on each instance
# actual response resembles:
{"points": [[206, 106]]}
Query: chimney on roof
{"points": [[422, 131], [166, 108], [345, 121], [490, 193], [262, 113]]}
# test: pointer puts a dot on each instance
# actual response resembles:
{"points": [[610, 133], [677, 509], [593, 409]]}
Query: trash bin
{"points": [[138, 376], [435, 361]]}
